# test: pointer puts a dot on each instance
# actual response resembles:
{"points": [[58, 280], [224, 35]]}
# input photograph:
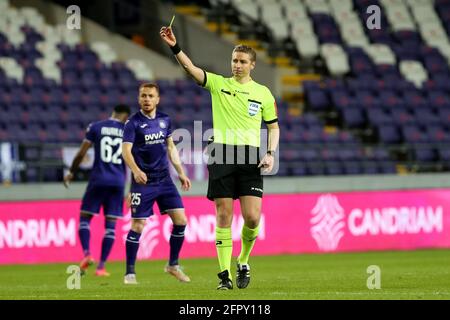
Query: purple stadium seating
{"points": [[402, 116], [444, 154], [444, 115], [317, 99], [298, 169], [353, 117], [425, 154], [353, 168], [415, 100], [414, 134], [391, 100], [438, 133], [369, 168], [426, 117], [378, 117], [439, 99], [333, 168], [387, 167], [372, 99], [342, 100], [389, 134]]}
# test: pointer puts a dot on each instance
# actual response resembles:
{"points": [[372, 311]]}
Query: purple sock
{"points": [[108, 241], [176, 242], [132, 246], [84, 232]]}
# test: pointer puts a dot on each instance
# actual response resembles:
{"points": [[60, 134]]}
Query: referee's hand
{"points": [[140, 177], [168, 36], [266, 163]]}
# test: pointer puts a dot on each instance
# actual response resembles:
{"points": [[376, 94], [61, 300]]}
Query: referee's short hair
{"points": [[122, 108], [246, 49], [149, 85]]}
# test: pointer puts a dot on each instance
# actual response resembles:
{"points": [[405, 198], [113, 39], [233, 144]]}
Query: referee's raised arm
{"points": [[184, 61]]}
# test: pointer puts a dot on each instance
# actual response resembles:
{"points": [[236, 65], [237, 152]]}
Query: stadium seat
{"points": [[438, 133], [333, 168], [353, 117], [353, 168], [425, 154], [444, 154], [389, 134], [414, 134], [317, 100], [426, 117]]}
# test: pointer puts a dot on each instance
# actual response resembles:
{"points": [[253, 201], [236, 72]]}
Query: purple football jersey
{"points": [[109, 167], [148, 137]]}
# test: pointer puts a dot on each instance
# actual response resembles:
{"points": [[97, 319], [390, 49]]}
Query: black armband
{"points": [[175, 49]]}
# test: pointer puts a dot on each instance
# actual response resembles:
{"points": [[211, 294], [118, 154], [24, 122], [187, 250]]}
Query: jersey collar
{"points": [[146, 115], [242, 84]]}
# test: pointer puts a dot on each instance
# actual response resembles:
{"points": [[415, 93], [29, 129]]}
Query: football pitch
{"points": [[423, 274]]}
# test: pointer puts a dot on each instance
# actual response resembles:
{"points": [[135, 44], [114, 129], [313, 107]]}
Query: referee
{"points": [[239, 104]]}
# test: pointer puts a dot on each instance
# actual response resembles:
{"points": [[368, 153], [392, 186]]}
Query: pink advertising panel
{"points": [[46, 231]]}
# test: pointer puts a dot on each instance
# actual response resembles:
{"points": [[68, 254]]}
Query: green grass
{"points": [[423, 274]]}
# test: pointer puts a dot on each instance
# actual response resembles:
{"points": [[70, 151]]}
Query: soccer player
{"points": [[239, 104], [106, 183], [147, 143]]}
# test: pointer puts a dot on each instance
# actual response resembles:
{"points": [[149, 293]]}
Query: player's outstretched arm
{"points": [[85, 145], [195, 72], [174, 158], [139, 176]]}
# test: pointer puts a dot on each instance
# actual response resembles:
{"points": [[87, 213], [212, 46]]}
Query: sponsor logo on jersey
{"points": [[154, 136]]}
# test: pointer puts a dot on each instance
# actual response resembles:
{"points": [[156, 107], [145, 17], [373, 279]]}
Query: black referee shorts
{"points": [[239, 176], [238, 180]]}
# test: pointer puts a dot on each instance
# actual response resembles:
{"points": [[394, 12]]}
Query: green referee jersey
{"points": [[238, 109]]}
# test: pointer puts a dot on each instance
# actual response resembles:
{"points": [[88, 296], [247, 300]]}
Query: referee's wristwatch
{"points": [[271, 152]]}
